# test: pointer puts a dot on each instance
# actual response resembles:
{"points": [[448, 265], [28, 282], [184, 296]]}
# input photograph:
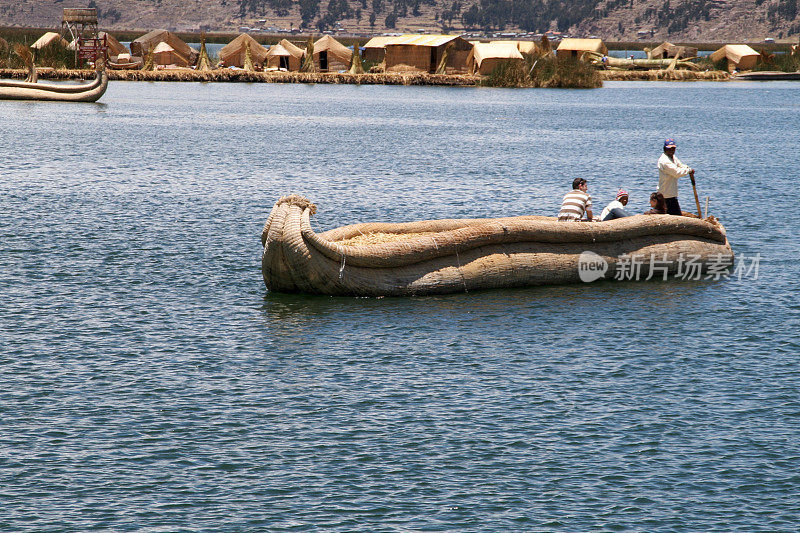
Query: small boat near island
{"points": [[457, 255], [767, 75], [72, 92]]}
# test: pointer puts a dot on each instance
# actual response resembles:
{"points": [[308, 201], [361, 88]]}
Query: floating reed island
{"points": [[457, 255], [448, 60], [663, 75], [225, 75]]}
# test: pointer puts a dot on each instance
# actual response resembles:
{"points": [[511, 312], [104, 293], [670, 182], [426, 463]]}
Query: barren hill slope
{"points": [[679, 20]]}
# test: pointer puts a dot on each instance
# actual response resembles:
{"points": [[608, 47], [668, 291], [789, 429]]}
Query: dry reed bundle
{"points": [[308, 58], [248, 58], [203, 62], [380, 237], [663, 75], [442, 67], [356, 66], [25, 54], [148, 65], [545, 46]]}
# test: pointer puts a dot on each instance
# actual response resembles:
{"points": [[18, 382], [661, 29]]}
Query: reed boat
{"points": [[457, 255], [767, 75], [133, 65], [74, 92]]}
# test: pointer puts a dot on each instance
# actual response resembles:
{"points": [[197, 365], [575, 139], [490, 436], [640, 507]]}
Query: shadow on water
{"points": [[654, 296]]}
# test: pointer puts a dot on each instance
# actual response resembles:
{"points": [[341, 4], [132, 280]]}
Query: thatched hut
{"points": [[526, 47], [285, 56], [164, 54], [330, 55], [739, 56], [485, 57], [425, 52], [234, 53], [375, 49], [115, 48], [50, 38], [575, 48], [667, 50], [149, 41]]}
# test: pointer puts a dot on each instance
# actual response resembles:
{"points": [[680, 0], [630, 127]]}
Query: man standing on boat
{"points": [[576, 203], [670, 168]]}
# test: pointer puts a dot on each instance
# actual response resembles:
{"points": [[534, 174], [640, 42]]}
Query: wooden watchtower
{"points": [[81, 25], [79, 22]]}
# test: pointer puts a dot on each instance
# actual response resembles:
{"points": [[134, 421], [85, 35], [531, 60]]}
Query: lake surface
{"points": [[148, 381]]}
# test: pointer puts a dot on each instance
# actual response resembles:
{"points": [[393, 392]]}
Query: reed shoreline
{"points": [[241, 76], [664, 75]]}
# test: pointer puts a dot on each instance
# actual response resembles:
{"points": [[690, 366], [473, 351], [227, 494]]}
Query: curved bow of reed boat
{"points": [[82, 92], [453, 255]]}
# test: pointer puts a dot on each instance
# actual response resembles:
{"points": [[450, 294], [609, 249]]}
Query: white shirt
{"points": [[613, 205], [669, 170]]}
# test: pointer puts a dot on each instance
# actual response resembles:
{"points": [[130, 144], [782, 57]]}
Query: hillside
{"points": [[678, 20]]}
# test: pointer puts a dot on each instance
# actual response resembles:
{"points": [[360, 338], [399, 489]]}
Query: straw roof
{"points": [[379, 42], [293, 49], [288, 50], [667, 50], [334, 48], [422, 40], [162, 47], [115, 48], [495, 50], [150, 40], [164, 54], [49, 38], [526, 47], [736, 53], [582, 45], [239, 45], [278, 51]]}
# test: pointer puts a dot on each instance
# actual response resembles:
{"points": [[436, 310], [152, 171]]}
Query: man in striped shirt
{"points": [[576, 203]]}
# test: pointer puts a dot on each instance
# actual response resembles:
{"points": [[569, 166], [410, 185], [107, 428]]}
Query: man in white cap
{"points": [[670, 168]]}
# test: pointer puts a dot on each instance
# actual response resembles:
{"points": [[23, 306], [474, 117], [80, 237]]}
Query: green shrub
{"points": [[780, 62], [544, 71]]}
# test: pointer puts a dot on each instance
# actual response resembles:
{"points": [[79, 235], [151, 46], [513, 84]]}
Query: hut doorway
{"points": [[433, 60], [284, 63], [323, 61]]}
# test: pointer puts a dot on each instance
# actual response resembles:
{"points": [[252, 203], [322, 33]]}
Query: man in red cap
{"points": [[670, 168], [616, 209]]}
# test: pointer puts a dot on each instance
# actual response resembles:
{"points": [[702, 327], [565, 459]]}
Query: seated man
{"points": [[576, 203], [616, 209]]}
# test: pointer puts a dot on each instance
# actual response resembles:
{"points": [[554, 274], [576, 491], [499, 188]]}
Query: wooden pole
{"points": [[696, 198]]}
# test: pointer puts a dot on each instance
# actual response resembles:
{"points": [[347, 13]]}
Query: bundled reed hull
{"points": [[768, 76], [444, 256], [84, 92]]}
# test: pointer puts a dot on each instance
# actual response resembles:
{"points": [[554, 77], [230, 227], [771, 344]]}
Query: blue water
{"points": [[148, 381]]}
